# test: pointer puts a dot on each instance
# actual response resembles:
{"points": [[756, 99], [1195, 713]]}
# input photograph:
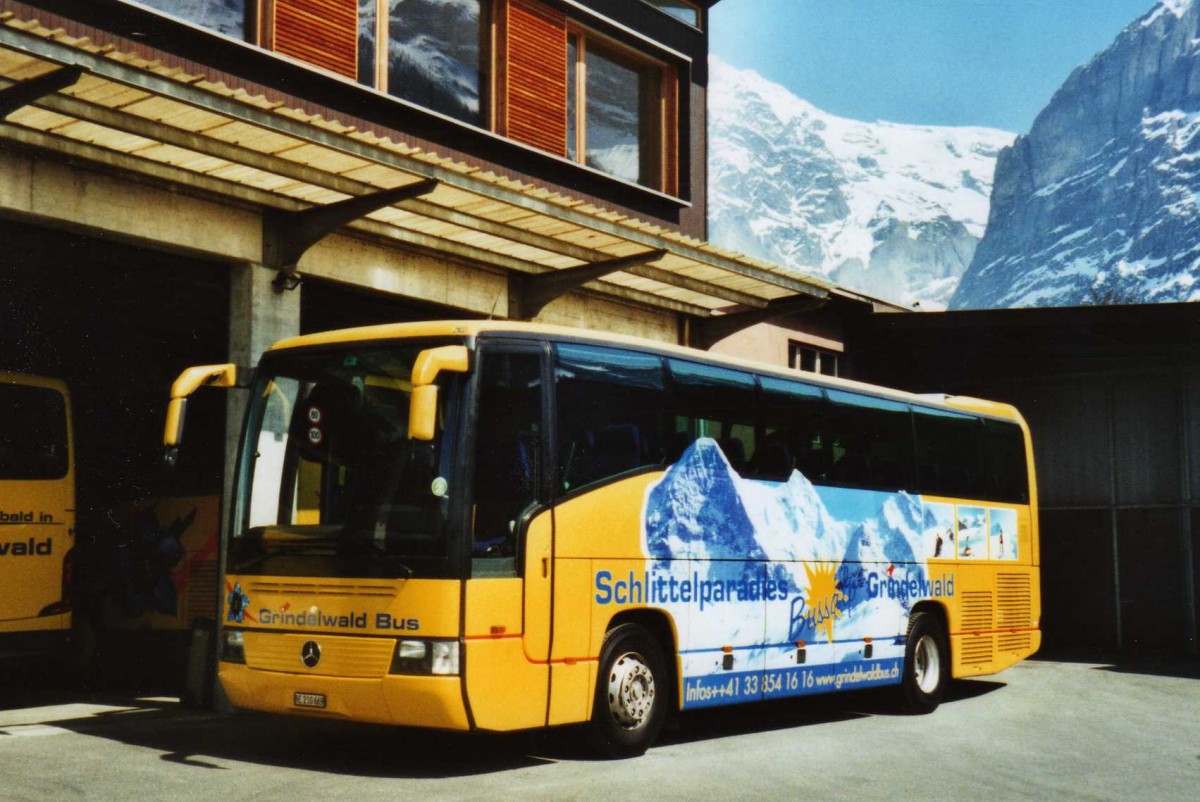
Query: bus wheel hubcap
{"points": [[630, 691], [927, 664]]}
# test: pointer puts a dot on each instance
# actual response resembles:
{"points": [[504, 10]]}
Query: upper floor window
{"points": [[680, 10], [521, 68], [619, 117], [430, 52], [223, 16]]}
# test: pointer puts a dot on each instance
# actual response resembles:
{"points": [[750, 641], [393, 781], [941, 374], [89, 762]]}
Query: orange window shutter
{"points": [[535, 76], [321, 32]]}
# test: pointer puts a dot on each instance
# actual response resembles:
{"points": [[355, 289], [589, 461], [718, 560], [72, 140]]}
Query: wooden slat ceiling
{"points": [[257, 150]]}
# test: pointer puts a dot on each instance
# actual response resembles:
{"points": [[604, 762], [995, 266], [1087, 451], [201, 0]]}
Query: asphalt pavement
{"points": [[1042, 730]]}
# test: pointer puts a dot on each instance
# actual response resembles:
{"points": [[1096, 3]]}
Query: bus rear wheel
{"points": [[631, 692], [926, 664]]}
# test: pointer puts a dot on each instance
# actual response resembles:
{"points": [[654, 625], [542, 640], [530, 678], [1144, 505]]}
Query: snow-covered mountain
{"points": [[892, 210], [1100, 202]]}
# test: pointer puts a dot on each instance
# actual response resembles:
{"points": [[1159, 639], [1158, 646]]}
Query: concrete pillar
{"points": [[258, 317]]}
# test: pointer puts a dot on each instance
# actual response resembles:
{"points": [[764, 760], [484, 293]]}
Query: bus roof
{"points": [[473, 328]]}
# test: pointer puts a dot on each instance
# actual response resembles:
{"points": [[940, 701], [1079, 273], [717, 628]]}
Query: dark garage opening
{"points": [[118, 323]]}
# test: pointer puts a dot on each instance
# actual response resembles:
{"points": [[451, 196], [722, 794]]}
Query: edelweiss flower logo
{"points": [[238, 603]]}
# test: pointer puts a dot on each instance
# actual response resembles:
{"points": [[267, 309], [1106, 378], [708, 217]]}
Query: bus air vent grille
{"points": [[1014, 642], [202, 590], [340, 656], [977, 650], [976, 611], [1014, 600], [316, 589]]}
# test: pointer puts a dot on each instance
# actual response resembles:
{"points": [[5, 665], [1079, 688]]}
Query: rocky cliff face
{"points": [[1100, 202], [892, 210]]}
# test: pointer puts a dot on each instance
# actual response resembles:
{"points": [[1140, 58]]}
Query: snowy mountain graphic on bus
{"points": [[832, 564]]}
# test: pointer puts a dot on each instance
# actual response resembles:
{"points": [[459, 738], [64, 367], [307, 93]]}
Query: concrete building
{"points": [[186, 183]]}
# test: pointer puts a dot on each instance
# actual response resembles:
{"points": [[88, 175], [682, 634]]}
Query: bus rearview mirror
{"points": [[422, 409], [189, 381], [176, 414], [422, 414]]}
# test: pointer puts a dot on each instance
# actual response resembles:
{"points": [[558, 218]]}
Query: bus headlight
{"points": [[445, 658], [438, 657], [233, 649]]}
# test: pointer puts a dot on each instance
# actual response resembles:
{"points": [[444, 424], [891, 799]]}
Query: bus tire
{"points": [[926, 664], [631, 692]]}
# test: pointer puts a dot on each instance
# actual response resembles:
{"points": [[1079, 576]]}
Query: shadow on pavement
{"points": [[208, 740], [34, 685], [1149, 665], [1158, 668], [723, 722]]}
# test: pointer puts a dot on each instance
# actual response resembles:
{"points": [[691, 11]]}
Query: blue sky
{"points": [[994, 63]]}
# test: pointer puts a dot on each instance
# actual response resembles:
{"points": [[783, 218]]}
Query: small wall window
{"points": [[620, 112], [431, 52], [813, 360], [680, 10]]}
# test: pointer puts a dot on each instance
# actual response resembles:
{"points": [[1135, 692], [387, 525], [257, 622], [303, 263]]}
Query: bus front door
{"points": [[512, 534]]}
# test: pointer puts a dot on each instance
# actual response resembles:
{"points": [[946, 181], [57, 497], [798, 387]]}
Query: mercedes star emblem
{"points": [[310, 653]]}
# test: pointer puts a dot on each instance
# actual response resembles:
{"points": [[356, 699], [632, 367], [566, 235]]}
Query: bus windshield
{"points": [[334, 486]]}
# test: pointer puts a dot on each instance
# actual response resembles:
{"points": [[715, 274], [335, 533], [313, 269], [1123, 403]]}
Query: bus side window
{"points": [[611, 418], [872, 442], [949, 448], [1006, 471], [507, 449], [33, 433], [718, 403], [792, 415]]}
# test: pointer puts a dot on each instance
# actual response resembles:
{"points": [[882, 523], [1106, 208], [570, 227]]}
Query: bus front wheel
{"points": [[926, 664], [631, 692]]}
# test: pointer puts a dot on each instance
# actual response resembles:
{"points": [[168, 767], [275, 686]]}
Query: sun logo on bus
{"points": [[824, 596]]}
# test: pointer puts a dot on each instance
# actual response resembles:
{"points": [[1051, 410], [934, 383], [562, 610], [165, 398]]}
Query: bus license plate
{"points": [[309, 699]]}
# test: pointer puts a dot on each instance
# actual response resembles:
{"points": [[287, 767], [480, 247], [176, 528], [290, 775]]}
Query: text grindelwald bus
{"points": [[497, 526]]}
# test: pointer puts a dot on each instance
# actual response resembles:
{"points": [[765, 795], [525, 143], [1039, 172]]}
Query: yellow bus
{"points": [[498, 526], [37, 515]]}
